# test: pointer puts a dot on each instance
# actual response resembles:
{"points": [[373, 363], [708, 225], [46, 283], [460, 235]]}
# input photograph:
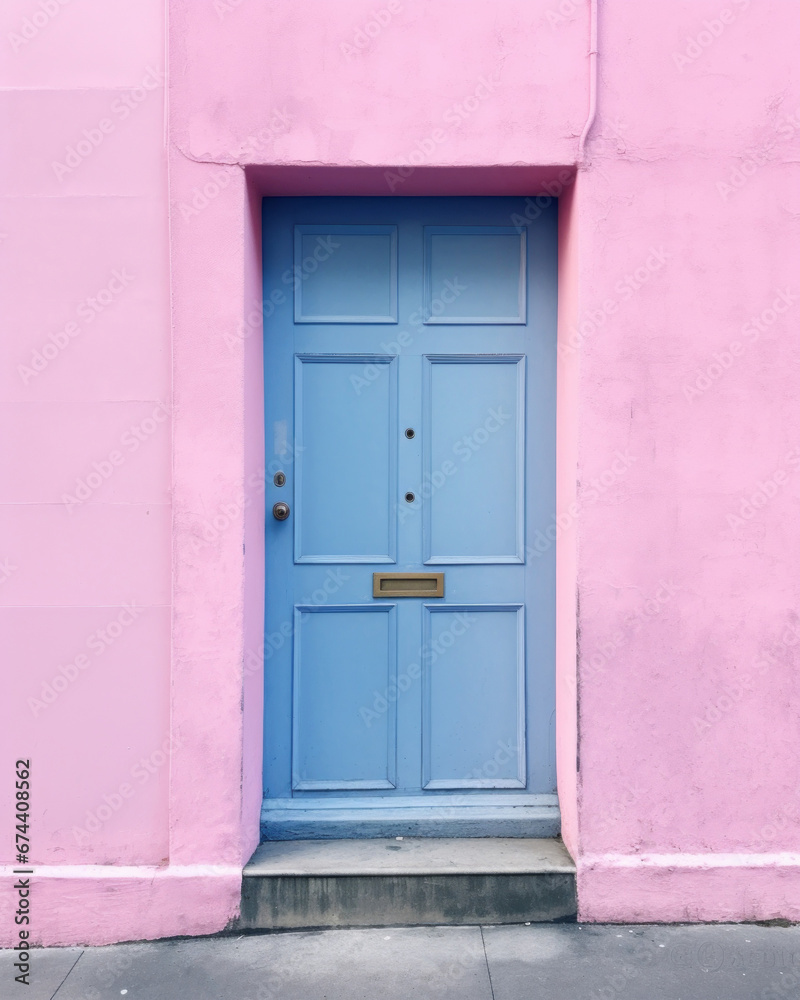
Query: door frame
{"points": [[518, 808], [218, 480], [449, 823]]}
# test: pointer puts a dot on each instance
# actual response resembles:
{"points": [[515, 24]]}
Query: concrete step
{"points": [[406, 881]]}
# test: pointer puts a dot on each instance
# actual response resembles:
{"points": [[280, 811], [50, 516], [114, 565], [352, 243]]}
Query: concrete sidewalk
{"points": [[536, 962]]}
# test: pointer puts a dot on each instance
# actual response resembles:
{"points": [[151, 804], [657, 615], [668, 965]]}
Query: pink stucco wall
{"points": [[131, 518]]}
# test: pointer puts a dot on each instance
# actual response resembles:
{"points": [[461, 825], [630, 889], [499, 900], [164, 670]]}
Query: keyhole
{"points": [[409, 432], [409, 497]]}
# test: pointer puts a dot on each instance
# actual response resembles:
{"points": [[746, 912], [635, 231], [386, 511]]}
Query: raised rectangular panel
{"points": [[338, 740], [475, 274], [345, 274], [473, 692], [474, 459], [346, 441]]}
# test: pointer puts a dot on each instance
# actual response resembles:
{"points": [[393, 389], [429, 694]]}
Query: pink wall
{"points": [[685, 703], [689, 691]]}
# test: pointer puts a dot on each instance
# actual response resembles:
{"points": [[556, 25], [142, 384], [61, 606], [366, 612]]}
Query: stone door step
{"points": [[406, 881]]}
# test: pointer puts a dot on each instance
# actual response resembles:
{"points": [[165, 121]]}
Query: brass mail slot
{"points": [[408, 584]]}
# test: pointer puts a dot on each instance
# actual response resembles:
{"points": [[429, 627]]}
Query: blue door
{"points": [[410, 353]]}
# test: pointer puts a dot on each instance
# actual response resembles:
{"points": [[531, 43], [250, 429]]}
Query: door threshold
{"points": [[516, 816]]}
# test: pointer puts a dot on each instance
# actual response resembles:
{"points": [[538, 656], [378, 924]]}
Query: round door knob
{"points": [[280, 511]]}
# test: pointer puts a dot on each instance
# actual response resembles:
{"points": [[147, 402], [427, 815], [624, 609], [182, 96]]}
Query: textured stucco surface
{"points": [[678, 418]]}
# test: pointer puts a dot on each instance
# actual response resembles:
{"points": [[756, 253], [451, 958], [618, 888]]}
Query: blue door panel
{"points": [[475, 274], [410, 416], [474, 430], [325, 260], [474, 697], [346, 468], [337, 746]]}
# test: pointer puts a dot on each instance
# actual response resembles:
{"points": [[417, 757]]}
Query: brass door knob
{"points": [[280, 511]]}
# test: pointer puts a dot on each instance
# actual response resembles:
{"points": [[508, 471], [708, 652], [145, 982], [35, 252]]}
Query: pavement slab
{"points": [[512, 962], [390, 964], [644, 962], [51, 966]]}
